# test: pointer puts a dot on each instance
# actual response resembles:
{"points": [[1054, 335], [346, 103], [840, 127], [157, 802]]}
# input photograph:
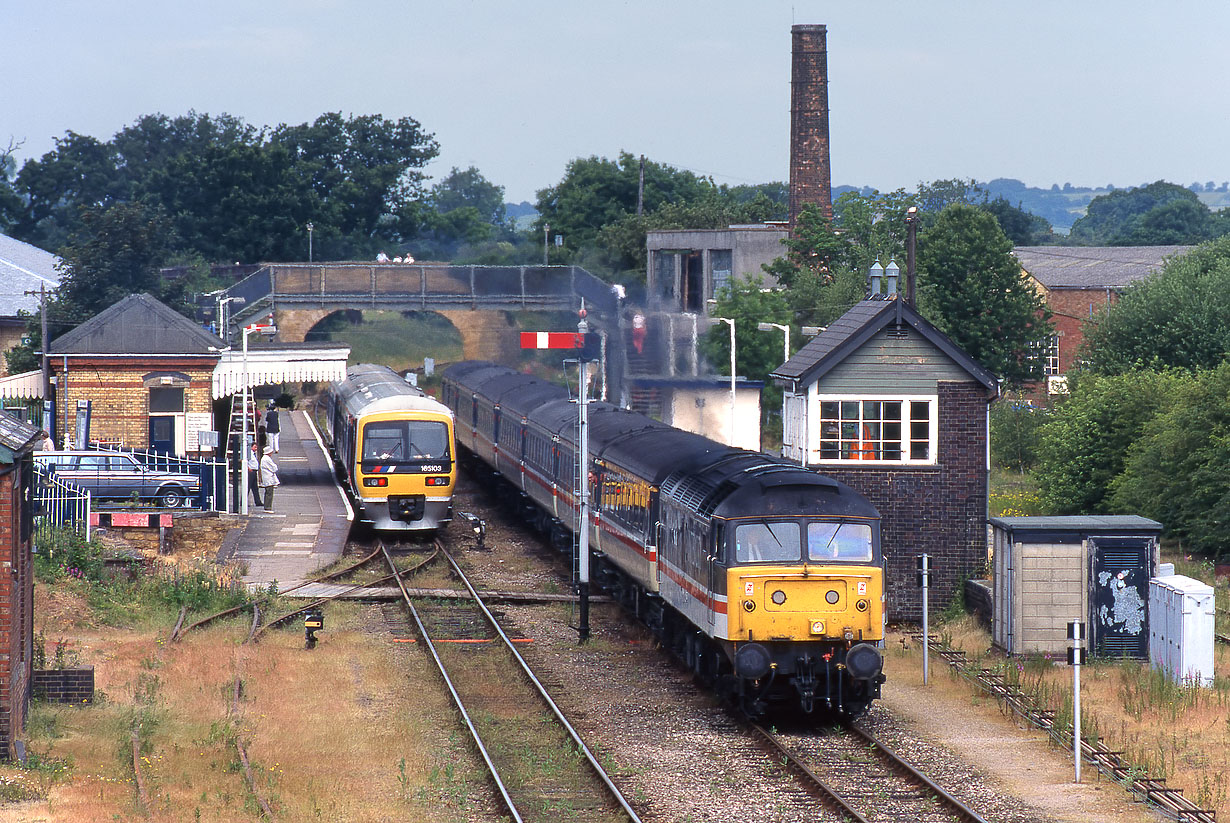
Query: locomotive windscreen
{"points": [[780, 542], [393, 440]]}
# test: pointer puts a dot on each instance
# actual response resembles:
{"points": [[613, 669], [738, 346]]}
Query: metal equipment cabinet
{"points": [[1181, 618], [1049, 571]]}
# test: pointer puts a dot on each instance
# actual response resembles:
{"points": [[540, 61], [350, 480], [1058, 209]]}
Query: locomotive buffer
{"points": [[584, 345]]}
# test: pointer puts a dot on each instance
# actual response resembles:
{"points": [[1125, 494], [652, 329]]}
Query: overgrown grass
{"points": [[1014, 494], [1165, 729], [396, 339], [119, 595]]}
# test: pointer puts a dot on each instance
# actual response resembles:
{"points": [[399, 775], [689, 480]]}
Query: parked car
{"points": [[120, 476]]}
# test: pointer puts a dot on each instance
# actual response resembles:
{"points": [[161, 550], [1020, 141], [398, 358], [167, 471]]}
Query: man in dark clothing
{"points": [[272, 428]]}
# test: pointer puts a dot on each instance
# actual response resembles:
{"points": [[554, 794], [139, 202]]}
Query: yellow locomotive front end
{"points": [[406, 469], [813, 602], [805, 605]]}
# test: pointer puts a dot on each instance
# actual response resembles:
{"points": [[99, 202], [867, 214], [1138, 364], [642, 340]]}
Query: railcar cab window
{"points": [[408, 440], [894, 430], [760, 542], [838, 541]]}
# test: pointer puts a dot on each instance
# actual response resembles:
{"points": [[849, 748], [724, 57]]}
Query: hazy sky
{"points": [[1086, 92]]}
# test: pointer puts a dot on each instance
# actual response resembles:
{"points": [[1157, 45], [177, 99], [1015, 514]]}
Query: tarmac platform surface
{"points": [[311, 517]]}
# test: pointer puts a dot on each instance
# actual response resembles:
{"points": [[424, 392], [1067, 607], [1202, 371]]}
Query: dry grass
{"points": [[1180, 734], [355, 730]]}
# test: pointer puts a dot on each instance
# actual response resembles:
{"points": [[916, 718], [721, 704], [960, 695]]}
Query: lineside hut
{"points": [[17, 442], [883, 401]]}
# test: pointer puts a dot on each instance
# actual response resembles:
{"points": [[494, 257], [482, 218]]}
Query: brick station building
{"points": [[883, 401], [146, 372]]}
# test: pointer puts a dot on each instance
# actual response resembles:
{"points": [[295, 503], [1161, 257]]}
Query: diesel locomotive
{"points": [[765, 578], [394, 445]]}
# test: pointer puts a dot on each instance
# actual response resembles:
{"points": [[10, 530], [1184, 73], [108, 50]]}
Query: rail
{"points": [[1169, 802], [509, 646]]}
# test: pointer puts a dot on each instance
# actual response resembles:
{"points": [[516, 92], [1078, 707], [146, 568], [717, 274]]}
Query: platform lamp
{"points": [[309, 228], [730, 321]]}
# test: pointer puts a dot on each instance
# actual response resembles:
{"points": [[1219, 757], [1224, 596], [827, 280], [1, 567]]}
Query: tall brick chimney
{"points": [[810, 180]]}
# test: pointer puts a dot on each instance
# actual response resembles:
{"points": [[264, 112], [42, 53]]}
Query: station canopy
{"points": [[280, 364]]}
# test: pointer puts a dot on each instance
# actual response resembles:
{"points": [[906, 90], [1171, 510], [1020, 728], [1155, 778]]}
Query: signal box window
{"points": [[838, 541], [896, 430]]}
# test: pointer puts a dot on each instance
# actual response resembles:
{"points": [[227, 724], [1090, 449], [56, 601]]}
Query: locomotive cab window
{"points": [[409, 440], [839, 541], [767, 542]]}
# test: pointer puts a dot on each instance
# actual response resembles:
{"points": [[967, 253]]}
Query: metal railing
{"points": [[59, 505], [211, 473]]}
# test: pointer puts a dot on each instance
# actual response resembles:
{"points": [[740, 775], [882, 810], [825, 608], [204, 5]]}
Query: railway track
{"points": [[537, 761], [861, 778]]}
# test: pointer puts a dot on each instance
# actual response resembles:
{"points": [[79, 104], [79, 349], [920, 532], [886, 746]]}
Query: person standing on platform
{"points": [[254, 466], [272, 427], [269, 477]]}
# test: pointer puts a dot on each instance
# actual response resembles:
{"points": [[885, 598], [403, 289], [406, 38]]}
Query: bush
{"points": [[1015, 424], [1083, 446], [1178, 472]]}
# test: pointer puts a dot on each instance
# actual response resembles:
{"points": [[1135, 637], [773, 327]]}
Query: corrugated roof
{"points": [[24, 268], [138, 324], [1093, 267], [858, 325]]}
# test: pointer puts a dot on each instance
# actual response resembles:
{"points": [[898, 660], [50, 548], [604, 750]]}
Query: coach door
{"points": [[1119, 592]]}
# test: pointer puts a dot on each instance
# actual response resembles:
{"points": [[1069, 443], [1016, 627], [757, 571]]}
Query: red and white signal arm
{"points": [[552, 340]]}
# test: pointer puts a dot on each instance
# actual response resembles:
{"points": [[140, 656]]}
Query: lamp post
{"points": [[309, 228], [223, 326], [730, 321], [243, 474], [785, 357]]}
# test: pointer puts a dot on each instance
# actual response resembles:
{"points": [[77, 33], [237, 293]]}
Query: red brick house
{"points": [[1078, 283], [886, 403], [17, 442]]}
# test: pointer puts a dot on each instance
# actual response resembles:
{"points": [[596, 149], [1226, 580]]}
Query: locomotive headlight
{"points": [[817, 627], [749, 605], [831, 597], [861, 605], [375, 481], [437, 481], [778, 597]]}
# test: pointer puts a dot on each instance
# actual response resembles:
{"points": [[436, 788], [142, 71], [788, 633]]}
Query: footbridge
{"points": [[476, 299]]}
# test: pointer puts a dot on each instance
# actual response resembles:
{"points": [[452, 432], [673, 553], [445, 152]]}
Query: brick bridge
{"points": [[477, 300]]}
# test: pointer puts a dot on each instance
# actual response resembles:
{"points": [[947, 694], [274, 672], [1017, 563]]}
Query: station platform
{"points": [[311, 520]]}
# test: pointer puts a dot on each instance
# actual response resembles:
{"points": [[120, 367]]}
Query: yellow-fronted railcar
{"points": [[395, 447]]}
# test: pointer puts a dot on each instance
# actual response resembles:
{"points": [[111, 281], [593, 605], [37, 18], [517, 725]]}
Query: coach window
{"points": [[888, 429]]}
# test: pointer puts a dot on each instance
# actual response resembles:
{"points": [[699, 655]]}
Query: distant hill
{"points": [[1061, 206]]}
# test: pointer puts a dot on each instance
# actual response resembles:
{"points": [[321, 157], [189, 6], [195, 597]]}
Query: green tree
{"points": [[972, 288], [1178, 470], [597, 191], [459, 189], [1084, 445], [1178, 318], [1021, 227], [1015, 425], [756, 352], [1114, 218], [116, 253]]}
